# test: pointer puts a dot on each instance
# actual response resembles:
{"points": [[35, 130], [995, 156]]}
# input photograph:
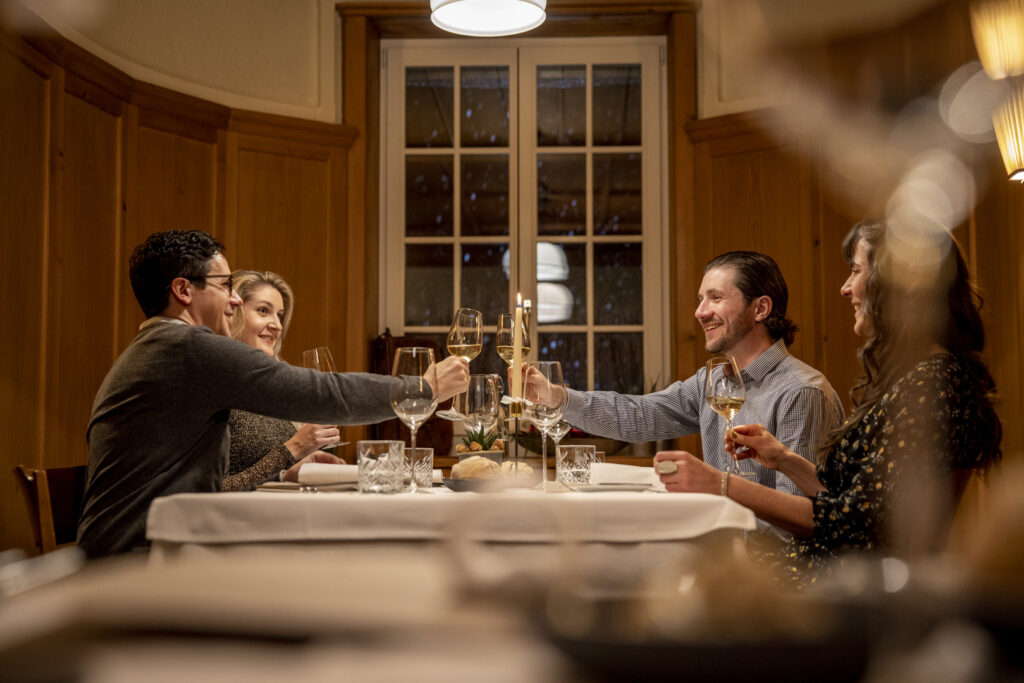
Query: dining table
{"points": [[618, 534]]}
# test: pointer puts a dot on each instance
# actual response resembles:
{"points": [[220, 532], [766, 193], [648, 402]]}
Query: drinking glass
{"points": [[725, 393], [466, 336], [321, 359], [572, 464], [505, 340], [380, 466], [542, 416], [412, 396]]}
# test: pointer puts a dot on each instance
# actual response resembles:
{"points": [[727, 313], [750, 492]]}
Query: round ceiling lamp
{"points": [[487, 18]]}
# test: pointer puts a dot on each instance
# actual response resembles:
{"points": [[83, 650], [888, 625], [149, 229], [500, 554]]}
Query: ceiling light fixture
{"points": [[487, 18], [1008, 121], [998, 27]]}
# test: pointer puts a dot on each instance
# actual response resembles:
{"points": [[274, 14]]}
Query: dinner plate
{"points": [[475, 485]]}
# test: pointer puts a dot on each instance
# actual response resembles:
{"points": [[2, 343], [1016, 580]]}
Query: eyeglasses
{"points": [[229, 283]]}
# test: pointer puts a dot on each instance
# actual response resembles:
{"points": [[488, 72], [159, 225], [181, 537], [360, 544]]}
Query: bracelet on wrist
{"points": [[725, 483]]}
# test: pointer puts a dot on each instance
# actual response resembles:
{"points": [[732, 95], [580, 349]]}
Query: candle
{"points": [[517, 351]]}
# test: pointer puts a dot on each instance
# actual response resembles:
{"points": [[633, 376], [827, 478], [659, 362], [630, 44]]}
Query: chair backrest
{"points": [[54, 498]]}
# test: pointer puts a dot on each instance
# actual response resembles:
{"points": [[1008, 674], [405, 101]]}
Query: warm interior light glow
{"points": [[487, 17], [998, 27], [1008, 121]]}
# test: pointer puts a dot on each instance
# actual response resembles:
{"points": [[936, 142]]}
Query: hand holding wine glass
{"points": [[544, 416], [413, 397], [725, 394]]}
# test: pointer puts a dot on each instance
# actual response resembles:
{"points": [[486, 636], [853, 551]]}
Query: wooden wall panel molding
{"points": [[296, 130]]}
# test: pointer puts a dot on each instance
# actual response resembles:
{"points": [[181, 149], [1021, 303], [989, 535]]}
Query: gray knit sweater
{"points": [[160, 421]]}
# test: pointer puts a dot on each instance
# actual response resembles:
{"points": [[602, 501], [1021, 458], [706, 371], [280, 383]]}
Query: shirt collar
{"points": [[159, 320], [766, 362]]}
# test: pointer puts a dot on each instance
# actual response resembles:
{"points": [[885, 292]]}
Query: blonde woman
{"points": [[265, 447]]}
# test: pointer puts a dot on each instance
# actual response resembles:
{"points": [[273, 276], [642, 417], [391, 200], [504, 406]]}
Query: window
{"points": [[532, 167]]}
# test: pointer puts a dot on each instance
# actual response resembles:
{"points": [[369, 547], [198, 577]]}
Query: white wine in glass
{"points": [[725, 394], [466, 336], [505, 341], [412, 396]]}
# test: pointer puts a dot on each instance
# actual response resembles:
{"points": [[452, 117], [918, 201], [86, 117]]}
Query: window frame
{"points": [[522, 56]]}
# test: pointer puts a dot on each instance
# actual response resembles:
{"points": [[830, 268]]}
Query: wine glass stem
{"points": [[412, 459], [544, 460], [733, 466]]}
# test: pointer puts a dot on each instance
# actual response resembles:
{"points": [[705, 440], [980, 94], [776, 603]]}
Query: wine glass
{"points": [[466, 336], [505, 341], [558, 432], [412, 396], [321, 359], [544, 417], [478, 405], [465, 339], [725, 393]]}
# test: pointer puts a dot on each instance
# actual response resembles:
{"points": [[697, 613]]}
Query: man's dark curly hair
{"points": [[164, 256], [759, 275]]}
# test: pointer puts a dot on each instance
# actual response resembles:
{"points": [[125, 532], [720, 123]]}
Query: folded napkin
{"points": [[612, 473], [327, 473]]}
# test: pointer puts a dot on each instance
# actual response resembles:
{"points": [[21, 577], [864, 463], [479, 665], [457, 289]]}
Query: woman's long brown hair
{"points": [[908, 320]]}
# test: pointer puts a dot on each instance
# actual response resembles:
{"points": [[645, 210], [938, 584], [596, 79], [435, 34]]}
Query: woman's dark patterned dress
{"points": [[925, 426]]}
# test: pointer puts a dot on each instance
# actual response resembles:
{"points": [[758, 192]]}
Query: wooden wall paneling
{"points": [[687, 337], [27, 86], [84, 251], [361, 110], [283, 224], [999, 255]]}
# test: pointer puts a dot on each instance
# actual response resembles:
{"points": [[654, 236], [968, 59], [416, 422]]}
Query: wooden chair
{"points": [[54, 498]]}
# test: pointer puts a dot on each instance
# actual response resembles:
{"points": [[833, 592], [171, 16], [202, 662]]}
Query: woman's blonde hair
{"points": [[246, 282]]}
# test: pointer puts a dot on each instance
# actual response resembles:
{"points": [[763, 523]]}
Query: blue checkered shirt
{"points": [[790, 398]]}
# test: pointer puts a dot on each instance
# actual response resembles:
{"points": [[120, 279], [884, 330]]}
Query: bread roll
{"points": [[508, 469], [476, 467]]}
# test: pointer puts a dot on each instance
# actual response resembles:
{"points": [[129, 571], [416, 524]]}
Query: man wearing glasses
{"points": [[160, 419]]}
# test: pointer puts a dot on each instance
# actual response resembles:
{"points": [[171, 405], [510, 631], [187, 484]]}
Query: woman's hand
{"points": [[537, 388], [311, 437], [292, 473], [452, 377], [692, 475], [761, 445]]}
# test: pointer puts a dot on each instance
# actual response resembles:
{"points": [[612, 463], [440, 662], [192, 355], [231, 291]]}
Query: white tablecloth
{"points": [[512, 516]]}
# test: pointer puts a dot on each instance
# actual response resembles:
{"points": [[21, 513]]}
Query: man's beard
{"points": [[734, 335]]}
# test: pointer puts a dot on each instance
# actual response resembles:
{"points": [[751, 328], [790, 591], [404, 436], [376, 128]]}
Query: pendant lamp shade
{"points": [[1008, 121], [487, 18], [998, 27]]}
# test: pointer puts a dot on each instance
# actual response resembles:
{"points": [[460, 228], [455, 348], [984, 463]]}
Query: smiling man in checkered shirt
{"points": [[742, 309]]}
